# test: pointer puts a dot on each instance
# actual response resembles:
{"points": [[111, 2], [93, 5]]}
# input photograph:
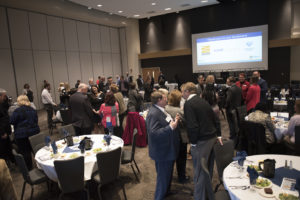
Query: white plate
{"points": [[262, 193], [288, 192], [259, 187]]}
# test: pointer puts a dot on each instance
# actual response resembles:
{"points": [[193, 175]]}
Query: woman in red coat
{"points": [[253, 94]]}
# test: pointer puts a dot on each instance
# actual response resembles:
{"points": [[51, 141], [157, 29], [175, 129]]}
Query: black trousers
{"points": [[25, 149], [5, 149], [49, 109], [231, 124], [83, 131], [181, 161]]}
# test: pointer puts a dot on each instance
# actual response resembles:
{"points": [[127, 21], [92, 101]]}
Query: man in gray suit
{"points": [[163, 138], [233, 100], [201, 84], [82, 112]]}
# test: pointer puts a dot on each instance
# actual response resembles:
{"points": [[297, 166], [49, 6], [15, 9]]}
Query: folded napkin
{"points": [[297, 186], [240, 157], [47, 140], [54, 147], [66, 133], [252, 174], [107, 138]]}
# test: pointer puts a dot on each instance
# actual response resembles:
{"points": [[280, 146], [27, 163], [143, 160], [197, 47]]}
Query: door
{"points": [[153, 71]]}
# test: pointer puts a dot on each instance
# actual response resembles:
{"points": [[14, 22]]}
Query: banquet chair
{"points": [[128, 156], [210, 195], [32, 177], [69, 128], [256, 138], [70, 174], [297, 140], [38, 141], [66, 116], [108, 169], [223, 156]]}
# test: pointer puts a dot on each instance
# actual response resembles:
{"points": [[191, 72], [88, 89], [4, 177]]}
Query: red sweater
{"points": [[253, 96], [245, 86], [106, 113]]}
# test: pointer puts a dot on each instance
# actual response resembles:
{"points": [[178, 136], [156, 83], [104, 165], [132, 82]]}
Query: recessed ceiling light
{"points": [[120, 11], [89, 7], [99, 5], [136, 15], [111, 13], [204, 1], [153, 4], [124, 23], [167, 8]]}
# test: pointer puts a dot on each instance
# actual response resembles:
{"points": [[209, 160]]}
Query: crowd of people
{"points": [[187, 115]]}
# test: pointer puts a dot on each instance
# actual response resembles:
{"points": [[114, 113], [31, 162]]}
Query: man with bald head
{"points": [[82, 111], [263, 87]]}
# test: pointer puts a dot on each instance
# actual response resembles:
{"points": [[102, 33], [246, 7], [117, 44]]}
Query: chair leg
{"points": [[217, 187], [61, 195], [136, 166], [123, 187], [134, 172], [23, 190], [31, 192], [87, 194], [99, 192]]}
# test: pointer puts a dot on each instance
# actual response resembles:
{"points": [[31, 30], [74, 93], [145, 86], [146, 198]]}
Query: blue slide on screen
{"points": [[235, 48]]}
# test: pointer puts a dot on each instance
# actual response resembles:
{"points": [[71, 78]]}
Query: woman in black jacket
{"points": [[25, 122]]}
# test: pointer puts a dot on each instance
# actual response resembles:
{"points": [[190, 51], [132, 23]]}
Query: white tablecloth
{"points": [[232, 171], [45, 160]]}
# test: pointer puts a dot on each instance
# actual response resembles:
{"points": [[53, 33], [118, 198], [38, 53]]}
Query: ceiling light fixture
{"points": [[120, 11], [124, 23], [167, 8], [153, 4], [99, 5], [204, 1], [136, 15], [89, 7], [111, 13]]}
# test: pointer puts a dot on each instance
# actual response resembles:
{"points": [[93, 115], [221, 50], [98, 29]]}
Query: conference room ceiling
{"points": [[142, 8]]}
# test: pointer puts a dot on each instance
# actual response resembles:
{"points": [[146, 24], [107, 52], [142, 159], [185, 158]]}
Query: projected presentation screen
{"points": [[231, 50]]}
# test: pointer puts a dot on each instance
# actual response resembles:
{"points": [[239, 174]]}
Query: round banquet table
{"points": [[232, 176], [45, 158]]}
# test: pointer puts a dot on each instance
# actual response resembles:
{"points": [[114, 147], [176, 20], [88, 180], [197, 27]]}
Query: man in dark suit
{"points": [[82, 112], [263, 87], [233, 100], [202, 131], [163, 138]]}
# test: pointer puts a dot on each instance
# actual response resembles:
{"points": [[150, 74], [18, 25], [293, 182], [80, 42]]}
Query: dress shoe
{"points": [[184, 180]]}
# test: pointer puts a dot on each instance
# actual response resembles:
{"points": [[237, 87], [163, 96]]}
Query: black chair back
{"points": [[297, 140], [22, 166], [69, 128], [70, 174], [223, 155], [66, 116], [109, 165], [256, 138], [38, 141]]}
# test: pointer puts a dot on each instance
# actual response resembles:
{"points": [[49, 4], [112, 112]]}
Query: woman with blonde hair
{"points": [[122, 108], [25, 122], [173, 108]]}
